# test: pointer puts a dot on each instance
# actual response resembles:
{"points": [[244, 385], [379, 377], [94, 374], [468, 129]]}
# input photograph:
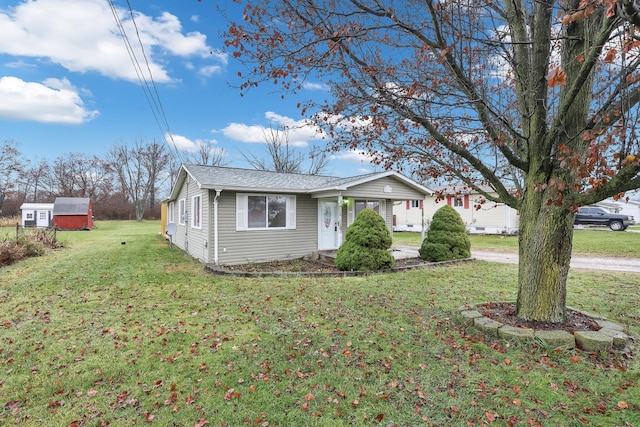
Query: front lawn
{"points": [[117, 329]]}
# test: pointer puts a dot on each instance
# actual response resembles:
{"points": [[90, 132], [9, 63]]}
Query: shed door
{"points": [[42, 218], [328, 224]]}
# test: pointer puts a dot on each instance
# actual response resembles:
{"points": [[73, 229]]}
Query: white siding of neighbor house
{"points": [[491, 218], [240, 247], [194, 241]]}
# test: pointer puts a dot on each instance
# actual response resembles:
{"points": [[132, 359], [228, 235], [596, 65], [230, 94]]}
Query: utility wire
{"points": [[152, 95]]}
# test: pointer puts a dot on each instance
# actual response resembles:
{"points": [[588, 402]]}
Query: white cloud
{"points": [[53, 101], [315, 86], [300, 132], [210, 70], [353, 156], [82, 36], [182, 143]]}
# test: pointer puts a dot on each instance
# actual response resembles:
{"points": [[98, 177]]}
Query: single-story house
{"points": [[37, 214], [230, 216], [73, 213], [491, 218]]}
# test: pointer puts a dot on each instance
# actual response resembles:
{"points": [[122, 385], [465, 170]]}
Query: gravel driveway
{"points": [[587, 263]]}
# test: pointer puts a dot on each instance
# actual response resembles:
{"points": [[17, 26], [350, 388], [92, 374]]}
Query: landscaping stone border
{"points": [[215, 269], [611, 335]]}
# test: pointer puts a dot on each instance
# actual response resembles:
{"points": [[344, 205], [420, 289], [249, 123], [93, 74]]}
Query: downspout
{"points": [[215, 227], [424, 204], [339, 236]]}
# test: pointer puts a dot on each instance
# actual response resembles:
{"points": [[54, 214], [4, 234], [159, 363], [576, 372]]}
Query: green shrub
{"points": [[352, 257], [366, 244], [447, 237]]}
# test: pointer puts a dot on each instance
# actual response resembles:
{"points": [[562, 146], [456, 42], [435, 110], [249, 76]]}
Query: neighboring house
{"points": [[232, 216], [491, 218], [37, 214], [73, 213], [630, 207]]}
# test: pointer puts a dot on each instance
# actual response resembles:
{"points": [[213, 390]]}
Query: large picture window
{"points": [[265, 212], [196, 208]]}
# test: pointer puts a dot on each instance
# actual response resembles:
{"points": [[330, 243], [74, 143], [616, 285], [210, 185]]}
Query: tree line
{"points": [[123, 184], [127, 181]]}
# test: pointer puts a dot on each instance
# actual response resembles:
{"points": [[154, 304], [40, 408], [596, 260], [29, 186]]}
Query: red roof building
{"points": [[72, 213]]}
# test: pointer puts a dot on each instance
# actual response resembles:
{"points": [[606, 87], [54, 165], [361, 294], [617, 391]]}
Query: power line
{"points": [[150, 90]]}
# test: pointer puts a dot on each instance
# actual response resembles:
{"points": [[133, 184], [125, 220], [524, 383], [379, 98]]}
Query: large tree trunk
{"points": [[546, 235]]}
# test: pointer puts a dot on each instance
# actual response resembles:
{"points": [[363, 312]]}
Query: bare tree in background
{"points": [[10, 164], [140, 170], [33, 179], [208, 155], [77, 175], [282, 157]]}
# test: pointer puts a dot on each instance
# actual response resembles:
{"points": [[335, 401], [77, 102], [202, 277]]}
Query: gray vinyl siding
{"points": [[375, 190], [240, 247], [193, 241]]}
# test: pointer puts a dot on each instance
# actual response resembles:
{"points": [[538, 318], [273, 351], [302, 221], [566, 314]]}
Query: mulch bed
{"points": [[304, 265], [506, 313]]}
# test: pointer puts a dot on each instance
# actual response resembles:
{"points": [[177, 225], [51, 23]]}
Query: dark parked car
{"points": [[591, 215]]}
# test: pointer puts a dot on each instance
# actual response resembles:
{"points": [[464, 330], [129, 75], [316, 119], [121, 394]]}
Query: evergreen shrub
{"points": [[447, 237], [366, 244]]}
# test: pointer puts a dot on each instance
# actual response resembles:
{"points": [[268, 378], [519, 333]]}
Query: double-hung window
{"points": [[171, 212], [181, 212], [265, 211], [196, 209]]}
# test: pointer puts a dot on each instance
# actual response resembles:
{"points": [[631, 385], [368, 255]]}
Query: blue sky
{"points": [[68, 84]]}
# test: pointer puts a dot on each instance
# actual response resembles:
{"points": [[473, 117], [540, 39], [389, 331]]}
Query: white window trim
{"points": [[196, 213], [181, 211], [242, 212]]}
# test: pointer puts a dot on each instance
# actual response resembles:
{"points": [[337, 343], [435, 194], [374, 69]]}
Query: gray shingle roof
{"points": [[71, 206], [245, 179], [234, 179]]}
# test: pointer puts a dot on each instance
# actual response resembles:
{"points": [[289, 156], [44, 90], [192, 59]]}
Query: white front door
{"points": [[328, 224]]}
